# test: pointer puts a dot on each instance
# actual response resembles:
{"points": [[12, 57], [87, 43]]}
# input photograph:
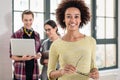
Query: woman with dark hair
{"points": [[52, 32], [75, 51]]}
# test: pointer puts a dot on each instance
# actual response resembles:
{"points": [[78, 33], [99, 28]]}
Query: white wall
{"points": [[5, 32]]}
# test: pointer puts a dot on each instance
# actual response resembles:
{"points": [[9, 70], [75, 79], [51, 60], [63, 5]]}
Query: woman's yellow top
{"points": [[80, 53]]}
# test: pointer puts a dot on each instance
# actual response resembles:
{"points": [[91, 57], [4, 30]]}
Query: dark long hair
{"points": [[52, 23]]}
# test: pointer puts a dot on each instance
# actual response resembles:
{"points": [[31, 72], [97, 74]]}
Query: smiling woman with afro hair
{"points": [[75, 52]]}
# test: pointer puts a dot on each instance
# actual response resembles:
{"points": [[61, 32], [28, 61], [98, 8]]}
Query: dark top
{"points": [[44, 50], [29, 65]]}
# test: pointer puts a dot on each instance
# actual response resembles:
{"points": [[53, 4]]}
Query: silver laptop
{"points": [[20, 47]]}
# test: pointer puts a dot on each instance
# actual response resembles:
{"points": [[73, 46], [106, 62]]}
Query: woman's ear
{"points": [[56, 28]]}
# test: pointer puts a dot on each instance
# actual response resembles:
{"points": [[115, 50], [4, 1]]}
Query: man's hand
{"points": [[27, 57], [37, 56]]}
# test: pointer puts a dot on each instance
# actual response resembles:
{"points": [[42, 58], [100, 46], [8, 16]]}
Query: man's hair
{"points": [[27, 12]]}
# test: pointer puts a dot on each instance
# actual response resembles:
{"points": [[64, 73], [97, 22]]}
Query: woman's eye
{"points": [[76, 16], [68, 16]]}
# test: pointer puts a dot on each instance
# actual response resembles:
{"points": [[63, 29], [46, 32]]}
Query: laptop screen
{"points": [[20, 47]]}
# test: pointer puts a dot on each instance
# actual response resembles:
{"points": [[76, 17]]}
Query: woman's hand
{"points": [[69, 69], [37, 56], [94, 74]]}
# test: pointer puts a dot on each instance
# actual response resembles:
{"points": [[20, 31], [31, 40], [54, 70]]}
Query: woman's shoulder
{"points": [[90, 38], [57, 42], [45, 41]]}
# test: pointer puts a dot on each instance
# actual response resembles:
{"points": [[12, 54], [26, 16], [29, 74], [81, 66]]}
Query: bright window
{"points": [[106, 33], [36, 6]]}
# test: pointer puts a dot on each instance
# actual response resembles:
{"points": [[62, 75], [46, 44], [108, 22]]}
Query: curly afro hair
{"points": [[65, 4]]}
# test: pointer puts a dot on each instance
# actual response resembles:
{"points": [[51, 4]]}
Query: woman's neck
{"points": [[73, 36]]}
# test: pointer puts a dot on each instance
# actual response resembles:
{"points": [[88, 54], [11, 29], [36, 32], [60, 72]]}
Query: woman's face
{"points": [[49, 30], [72, 18], [27, 20]]}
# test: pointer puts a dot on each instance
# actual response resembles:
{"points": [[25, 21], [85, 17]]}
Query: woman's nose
{"points": [[72, 19]]}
